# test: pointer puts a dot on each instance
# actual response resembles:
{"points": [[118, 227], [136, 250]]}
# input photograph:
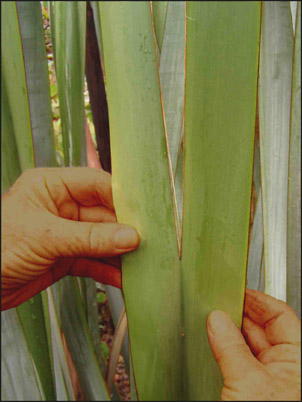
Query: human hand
{"points": [[269, 367], [58, 222]]}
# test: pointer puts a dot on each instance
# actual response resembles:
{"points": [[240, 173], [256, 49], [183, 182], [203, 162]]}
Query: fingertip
{"points": [[126, 238], [218, 321]]}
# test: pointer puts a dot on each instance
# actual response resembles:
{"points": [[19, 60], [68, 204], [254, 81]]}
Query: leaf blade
{"points": [[274, 117], [17, 368], [13, 75], [135, 108], [221, 38], [35, 63], [69, 58], [80, 343], [294, 182]]}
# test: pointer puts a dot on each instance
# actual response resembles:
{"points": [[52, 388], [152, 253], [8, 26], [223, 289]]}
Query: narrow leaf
{"points": [[116, 305], [69, 39], [35, 62], [97, 22], [255, 249], [70, 62], [275, 76], [62, 376], [33, 320], [256, 240], [80, 344], [294, 182], [13, 77], [19, 379], [10, 164], [93, 321]]}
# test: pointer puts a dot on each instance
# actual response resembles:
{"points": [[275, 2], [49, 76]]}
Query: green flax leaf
{"points": [[19, 378], [164, 328], [220, 112], [97, 22], [80, 343], [13, 77], [63, 382], [33, 320], [69, 32], [142, 198], [35, 62], [116, 305], [10, 164]]}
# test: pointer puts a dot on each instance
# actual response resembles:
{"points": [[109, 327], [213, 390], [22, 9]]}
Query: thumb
{"points": [[229, 348], [74, 239]]}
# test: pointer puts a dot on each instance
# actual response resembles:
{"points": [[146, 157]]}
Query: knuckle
{"points": [[95, 240]]}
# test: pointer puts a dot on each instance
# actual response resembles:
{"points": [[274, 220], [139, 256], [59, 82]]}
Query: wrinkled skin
{"points": [[58, 222], [265, 363]]}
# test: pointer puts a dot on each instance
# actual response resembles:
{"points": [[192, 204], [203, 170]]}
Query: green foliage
{"points": [[181, 91], [176, 297], [105, 350], [217, 199], [101, 297]]}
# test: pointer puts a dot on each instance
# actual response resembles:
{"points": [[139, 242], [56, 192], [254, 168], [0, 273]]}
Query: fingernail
{"points": [[126, 238], [217, 322]]}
